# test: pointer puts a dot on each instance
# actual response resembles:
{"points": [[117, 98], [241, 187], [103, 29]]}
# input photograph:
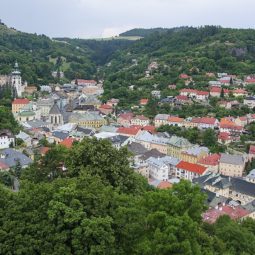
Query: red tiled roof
{"points": [[224, 136], [3, 166], [141, 117], [218, 90], [175, 119], [239, 91], [128, 130], [202, 93], [231, 126], [126, 116], [105, 106], [234, 213], [144, 101], [252, 149], [164, 185], [204, 120], [182, 98], [20, 101], [68, 142], [243, 118], [184, 76], [85, 81], [44, 150], [211, 160], [188, 91], [151, 129], [195, 168]]}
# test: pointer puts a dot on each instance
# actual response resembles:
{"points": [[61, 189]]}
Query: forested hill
{"points": [[38, 56], [143, 32], [100, 206], [194, 51], [101, 50]]}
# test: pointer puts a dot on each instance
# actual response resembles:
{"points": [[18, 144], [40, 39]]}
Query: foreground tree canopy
{"points": [[100, 206]]}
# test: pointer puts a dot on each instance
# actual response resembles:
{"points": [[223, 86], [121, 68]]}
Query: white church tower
{"points": [[17, 81]]}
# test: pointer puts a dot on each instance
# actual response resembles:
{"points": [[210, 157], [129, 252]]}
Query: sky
{"points": [[105, 18]]}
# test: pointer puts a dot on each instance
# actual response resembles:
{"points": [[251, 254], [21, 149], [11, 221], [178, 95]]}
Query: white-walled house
{"points": [[161, 168], [6, 139]]}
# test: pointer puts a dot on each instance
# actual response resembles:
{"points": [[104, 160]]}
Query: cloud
{"points": [[95, 18], [115, 31]]}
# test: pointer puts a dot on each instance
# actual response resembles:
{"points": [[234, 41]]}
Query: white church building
{"points": [[16, 80]]}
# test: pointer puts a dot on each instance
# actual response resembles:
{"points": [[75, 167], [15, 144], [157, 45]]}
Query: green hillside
{"points": [[143, 32], [102, 50], [100, 206], [194, 51], [38, 56]]}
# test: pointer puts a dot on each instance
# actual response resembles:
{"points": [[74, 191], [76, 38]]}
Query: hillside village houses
{"points": [[64, 114]]}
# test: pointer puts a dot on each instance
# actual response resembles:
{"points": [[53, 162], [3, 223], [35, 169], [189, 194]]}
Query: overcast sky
{"points": [[103, 18]]}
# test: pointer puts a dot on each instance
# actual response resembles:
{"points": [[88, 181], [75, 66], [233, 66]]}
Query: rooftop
{"points": [[195, 168]]}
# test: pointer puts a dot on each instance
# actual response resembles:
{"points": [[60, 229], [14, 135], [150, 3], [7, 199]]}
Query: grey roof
{"points": [[251, 175], [167, 100], [136, 148], [87, 116], [118, 139], [152, 153], [250, 206], [231, 159], [196, 150], [162, 117], [60, 135], [110, 129], [6, 132], [160, 162], [250, 98], [243, 186], [216, 180], [11, 157], [55, 110], [37, 123], [213, 199], [222, 182], [86, 131], [179, 141]]}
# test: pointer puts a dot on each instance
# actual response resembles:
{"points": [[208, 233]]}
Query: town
{"points": [[221, 162]]}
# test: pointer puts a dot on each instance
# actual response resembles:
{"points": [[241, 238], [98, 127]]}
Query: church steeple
{"points": [[16, 80]]}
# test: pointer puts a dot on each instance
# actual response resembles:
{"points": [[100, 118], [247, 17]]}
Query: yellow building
{"points": [[194, 154], [87, 119], [18, 104], [231, 165], [176, 145]]}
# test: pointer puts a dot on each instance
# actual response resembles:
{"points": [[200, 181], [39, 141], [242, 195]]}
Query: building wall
{"points": [[231, 170], [186, 175], [160, 174], [160, 147], [16, 107], [5, 142], [91, 123]]}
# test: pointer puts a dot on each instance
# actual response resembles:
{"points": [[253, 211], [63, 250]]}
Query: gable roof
{"points": [[11, 157], [68, 142], [128, 130], [195, 168], [55, 110], [231, 159], [20, 101], [211, 160]]}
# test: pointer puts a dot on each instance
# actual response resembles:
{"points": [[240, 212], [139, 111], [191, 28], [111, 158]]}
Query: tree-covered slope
{"points": [[143, 32], [101, 50], [38, 56], [100, 206], [194, 51]]}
